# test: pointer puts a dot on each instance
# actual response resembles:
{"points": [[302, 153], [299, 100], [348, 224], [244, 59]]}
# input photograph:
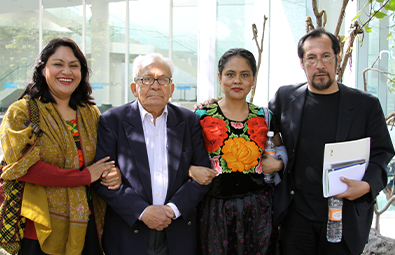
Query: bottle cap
{"points": [[270, 134]]}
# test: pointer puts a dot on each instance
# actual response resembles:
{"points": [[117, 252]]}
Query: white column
{"points": [[206, 49], [171, 29], [83, 26], [262, 8], [40, 26], [127, 87], [100, 51]]}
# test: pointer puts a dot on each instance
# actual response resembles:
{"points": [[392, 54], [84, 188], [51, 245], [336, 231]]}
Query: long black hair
{"points": [[38, 87], [237, 52]]}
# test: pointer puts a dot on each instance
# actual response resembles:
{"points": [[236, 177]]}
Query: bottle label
{"points": [[335, 214], [272, 153]]}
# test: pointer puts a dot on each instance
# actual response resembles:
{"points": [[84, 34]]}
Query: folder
{"points": [[345, 159]]}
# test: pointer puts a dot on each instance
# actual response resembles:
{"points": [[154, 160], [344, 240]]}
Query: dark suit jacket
{"points": [[121, 137], [360, 116]]}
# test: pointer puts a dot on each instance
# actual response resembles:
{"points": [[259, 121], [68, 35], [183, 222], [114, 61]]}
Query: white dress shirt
{"points": [[155, 136]]}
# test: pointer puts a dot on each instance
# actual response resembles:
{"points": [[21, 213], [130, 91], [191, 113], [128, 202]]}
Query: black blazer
{"points": [[360, 116], [121, 136]]}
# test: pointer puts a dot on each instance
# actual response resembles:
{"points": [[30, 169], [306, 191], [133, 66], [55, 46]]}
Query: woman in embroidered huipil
{"points": [[60, 213], [235, 215]]}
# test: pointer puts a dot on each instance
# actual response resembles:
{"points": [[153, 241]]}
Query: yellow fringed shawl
{"points": [[60, 214]]}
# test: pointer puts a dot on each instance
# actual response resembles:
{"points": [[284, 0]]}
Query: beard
{"points": [[321, 85]]}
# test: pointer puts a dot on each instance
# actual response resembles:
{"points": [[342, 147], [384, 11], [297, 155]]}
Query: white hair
{"points": [[144, 60]]}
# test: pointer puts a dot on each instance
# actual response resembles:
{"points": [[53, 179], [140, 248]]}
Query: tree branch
{"points": [[355, 31], [374, 14], [309, 24], [373, 69], [341, 17], [318, 15], [260, 49]]}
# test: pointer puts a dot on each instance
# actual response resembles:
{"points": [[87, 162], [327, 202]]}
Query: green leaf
{"points": [[245, 127], [389, 35], [211, 111], [359, 38], [379, 1], [356, 17], [217, 152], [368, 29], [345, 38], [224, 166], [390, 6], [217, 115], [245, 137], [379, 15], [367, 4], [233, 136]]}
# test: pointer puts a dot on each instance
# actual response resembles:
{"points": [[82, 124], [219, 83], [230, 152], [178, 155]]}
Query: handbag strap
{"points": [[34, 116], [34, 122]]}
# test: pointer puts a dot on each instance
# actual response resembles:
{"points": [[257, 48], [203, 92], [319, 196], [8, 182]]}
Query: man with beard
{"points": [[312, 114]]}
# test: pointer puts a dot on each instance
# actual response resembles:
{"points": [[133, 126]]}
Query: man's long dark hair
{"points": [[38, 87], [318, 32]]}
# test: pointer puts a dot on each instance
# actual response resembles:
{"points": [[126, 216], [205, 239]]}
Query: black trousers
{"points": [[157, 243], [301, 236]]}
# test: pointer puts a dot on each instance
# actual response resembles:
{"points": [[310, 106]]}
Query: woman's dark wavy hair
{"points": [[237, 52], [38, 87]]}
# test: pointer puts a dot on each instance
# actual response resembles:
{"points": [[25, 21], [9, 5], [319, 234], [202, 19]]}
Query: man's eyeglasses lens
{"points": [[151, 80], [325, 60]]}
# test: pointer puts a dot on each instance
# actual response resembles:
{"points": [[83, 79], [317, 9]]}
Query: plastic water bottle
{"points": [[270, 148], [334, 227]]}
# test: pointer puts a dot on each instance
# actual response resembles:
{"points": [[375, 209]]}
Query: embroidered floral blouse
{"points": [[235, 149]]}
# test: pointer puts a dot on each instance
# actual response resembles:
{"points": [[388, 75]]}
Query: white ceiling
{"points": [[12, 6]]}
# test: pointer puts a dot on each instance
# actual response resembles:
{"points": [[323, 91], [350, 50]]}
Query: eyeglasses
{"points": [[313, 60], [150, 80]]}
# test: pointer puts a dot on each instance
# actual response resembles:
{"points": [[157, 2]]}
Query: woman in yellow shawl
{"points": [[60, 213]]}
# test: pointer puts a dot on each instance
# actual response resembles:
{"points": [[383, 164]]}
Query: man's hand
{"points": [[157, 217], [169, 212], [356, 189], [202, 175], [205, 103], [270, 164], [111, 179]]}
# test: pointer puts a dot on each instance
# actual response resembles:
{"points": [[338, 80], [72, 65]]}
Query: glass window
{"points": [[391, 69], [105, 51], [62, 19], [234, 28], [185, 52], [148, 30], [18, 49]]}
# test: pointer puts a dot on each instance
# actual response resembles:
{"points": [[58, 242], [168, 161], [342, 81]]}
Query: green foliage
{"points": [[379, 15], [390, 6], [356, 17], [374, 9], [391, 85]]}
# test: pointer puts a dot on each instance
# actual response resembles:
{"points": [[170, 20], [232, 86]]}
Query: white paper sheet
{"points": [[342, 152]]}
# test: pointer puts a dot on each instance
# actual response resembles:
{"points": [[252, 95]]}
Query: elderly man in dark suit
{"points": [[153, 143], [324, 111]]}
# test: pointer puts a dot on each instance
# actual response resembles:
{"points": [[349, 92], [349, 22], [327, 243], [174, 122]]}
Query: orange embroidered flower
{"points": [[257, 129], [214, 132], [81, 158], [240, 154]]}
